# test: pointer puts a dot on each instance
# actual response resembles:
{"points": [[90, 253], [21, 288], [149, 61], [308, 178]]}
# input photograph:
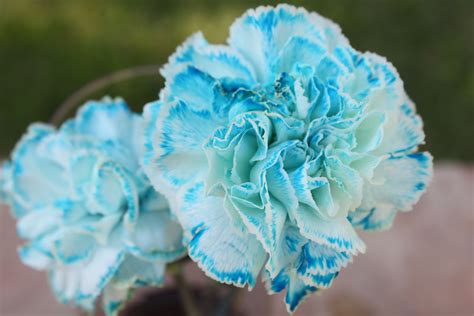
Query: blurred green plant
{"points": [[49, 49]]}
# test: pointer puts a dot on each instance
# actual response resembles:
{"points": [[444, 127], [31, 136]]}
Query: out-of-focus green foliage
{"points": [[49, 49]]}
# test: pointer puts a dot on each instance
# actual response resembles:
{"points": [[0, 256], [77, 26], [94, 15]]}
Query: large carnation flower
{"points": [[275, 147], [91, 218]]}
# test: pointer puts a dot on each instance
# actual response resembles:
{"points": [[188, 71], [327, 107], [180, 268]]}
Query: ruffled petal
{"points": [[73, 248], [260, 34], [35, 256], [319, 259], [236, 258], [39, 222], [218, 61], [194, 87], [403, 132], [79, 284], [110, 121], [319, 265], [336, 233], [173, 138], [399, 181], [375, 219], [287, 248], [296, 289], [114, 298], [30, 187], [156, 237], [299, 51]]}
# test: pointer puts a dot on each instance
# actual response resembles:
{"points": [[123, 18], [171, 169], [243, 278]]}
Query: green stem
{"points": [[184, 291], [224, 308], [75, 99]]}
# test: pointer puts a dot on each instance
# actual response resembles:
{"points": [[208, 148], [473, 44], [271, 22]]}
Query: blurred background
{"points": [[49, 49], [423, 266]]}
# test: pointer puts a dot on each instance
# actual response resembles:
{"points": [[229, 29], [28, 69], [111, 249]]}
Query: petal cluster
{"points": [[275, 147], [87, 210]]}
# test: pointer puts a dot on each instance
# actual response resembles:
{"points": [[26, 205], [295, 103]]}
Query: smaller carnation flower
{"points": [[91, 218]]}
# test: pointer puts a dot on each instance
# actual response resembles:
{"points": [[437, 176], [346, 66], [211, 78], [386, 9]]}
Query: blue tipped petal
{"points": [[237, 258], [336, 233], [299, 51], [369, 133], [114, 299], [35, 256], [39, 222], [400, 181], [81, 282], [194, 87], [106, 119], [73, 248], [156, 237], [173, 139], [219, 61], [404, 132], [134, 272], [260, 34], [319, 259], [378, 218], [296, 289], [319, 265]]}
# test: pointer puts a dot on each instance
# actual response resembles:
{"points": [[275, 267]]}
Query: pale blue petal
{"points": [[378, 218], [35, 256], [299, 51], [218, 61], [39, 222], [108, 120], [279, 186], [134, 272], [369, 132], [82, 282], [319, 265], [29, 185], [296, 289], [237, 258], [319, 259], [399, 181], [72, 248], [287, 248], [114, 298], [336, 233], [403, 132], [156, 237], [174, 135], [194, 87], [260, 34], [98, 226]]}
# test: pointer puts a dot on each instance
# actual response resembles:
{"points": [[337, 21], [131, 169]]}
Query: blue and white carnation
{"points": [[275, 148], [90, 215]]}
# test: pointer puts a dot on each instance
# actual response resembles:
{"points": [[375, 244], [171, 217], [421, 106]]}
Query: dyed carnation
{"points": [[274, 148], [91, 218]]}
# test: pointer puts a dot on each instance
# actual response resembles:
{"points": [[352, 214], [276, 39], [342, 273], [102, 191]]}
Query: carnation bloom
{"points": [[91, 217], [274, 148]]}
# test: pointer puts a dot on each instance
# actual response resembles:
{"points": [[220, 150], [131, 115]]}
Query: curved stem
{"points": [[74, 99]]}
